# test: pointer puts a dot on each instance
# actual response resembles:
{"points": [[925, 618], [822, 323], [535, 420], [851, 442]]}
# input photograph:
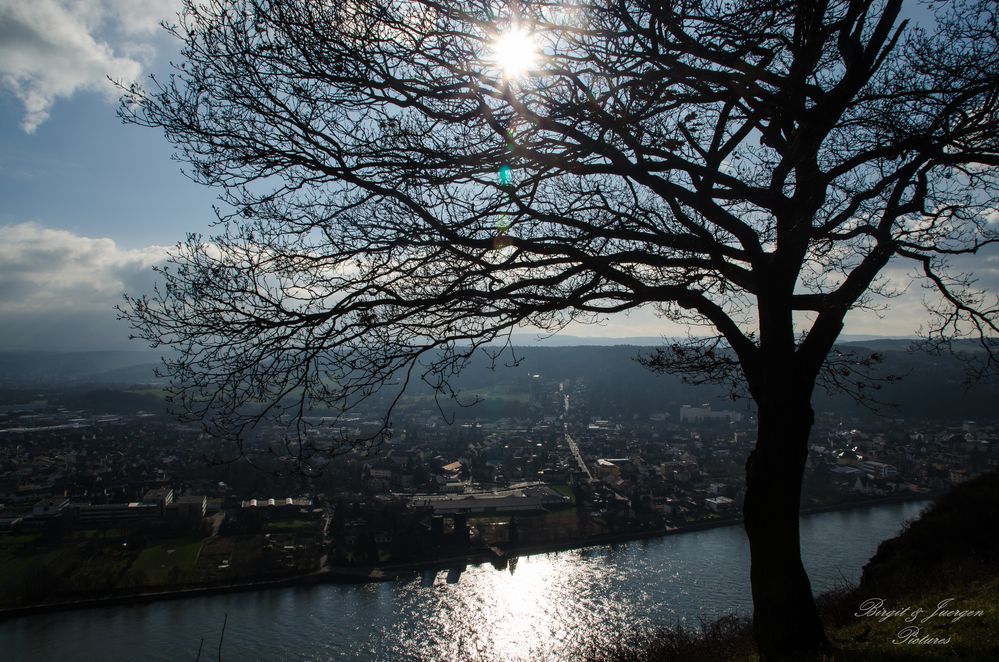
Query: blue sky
{"points": [[89, 205]]}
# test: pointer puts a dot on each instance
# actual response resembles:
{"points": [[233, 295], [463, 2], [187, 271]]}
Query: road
{"points": [[573, 446]]}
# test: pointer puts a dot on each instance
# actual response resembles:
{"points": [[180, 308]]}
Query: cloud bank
{"points": [[52, 49], [58, 289]]}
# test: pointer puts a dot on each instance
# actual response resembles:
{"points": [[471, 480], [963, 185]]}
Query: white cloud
{"points": [[902, 315], [906, 313], [52, 49], [141, 17], [58, 289], [46, 270]]}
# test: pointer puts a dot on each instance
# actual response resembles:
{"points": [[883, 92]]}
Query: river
{"points": [[545, 607]]}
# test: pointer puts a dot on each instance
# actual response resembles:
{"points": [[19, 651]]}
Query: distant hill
{"points": [[929, 387], [533, 340], [112, 401], [614, 383], [54, 368], [116, 366]]}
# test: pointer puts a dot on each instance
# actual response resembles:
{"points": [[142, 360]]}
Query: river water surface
{"points": [[545, 607]]}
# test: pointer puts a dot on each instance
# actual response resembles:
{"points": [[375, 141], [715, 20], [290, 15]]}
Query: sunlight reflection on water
{"points": [[548, 607]]}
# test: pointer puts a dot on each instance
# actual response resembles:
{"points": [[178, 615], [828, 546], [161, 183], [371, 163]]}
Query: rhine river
{"points": [[546, 607]]}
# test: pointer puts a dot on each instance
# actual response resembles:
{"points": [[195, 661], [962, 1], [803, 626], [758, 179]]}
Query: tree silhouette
{"points": [[406, 181]]}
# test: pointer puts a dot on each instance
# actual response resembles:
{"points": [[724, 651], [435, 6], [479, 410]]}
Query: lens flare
{"points": [[515, 52], [505, 175]]}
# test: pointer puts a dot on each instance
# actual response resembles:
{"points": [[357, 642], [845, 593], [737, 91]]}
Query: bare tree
{"points": [[407, 180]]}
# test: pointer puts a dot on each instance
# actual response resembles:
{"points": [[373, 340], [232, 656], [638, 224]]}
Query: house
{"points": [[719, 504], [689, 414], [879, 469], [453, 468], [49, 507]]}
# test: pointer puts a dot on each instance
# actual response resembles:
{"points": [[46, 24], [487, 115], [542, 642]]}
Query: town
{"points": [[124, 504]]}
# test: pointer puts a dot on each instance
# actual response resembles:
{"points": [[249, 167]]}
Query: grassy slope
{"points": [[100, 562], [928, 637]]}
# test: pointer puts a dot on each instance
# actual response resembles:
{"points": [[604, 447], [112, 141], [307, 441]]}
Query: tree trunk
{"points": [[786, 623]]}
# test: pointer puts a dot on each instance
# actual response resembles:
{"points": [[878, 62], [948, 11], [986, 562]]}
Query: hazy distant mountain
{"points": [[110, 367], [532, 340], [615, 384], [928, 386], [861, 337]]}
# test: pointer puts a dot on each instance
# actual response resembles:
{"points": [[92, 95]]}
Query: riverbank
{"points": [[390, 572], [546, 607], [330, 575]]}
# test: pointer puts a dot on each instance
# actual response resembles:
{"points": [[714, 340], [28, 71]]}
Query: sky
{"points": [[89, 205]]}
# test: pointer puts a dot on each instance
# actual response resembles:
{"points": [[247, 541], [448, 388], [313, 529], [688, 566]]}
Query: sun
{"points": [[515, 52]]}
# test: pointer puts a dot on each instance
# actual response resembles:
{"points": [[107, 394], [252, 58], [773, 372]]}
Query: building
{"points": [[611, 468], [525, 498], [49, 507], [702, 414], [280, 509], [191, 506], [117, 514], [879, 469], [719, 504], [161, 497]]}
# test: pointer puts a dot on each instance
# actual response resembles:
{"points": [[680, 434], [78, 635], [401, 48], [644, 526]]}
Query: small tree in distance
{"points": [[408, 180]]}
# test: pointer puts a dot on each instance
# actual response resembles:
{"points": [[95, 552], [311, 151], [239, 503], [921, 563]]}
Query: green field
{"points": [[165, 563], [15, 539], [88, 562]]}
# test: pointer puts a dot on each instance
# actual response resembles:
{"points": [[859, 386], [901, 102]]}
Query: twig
{"points": [[221, 636]]}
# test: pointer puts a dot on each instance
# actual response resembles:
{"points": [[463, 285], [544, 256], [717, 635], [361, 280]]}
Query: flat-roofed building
{"points": [[109, 514], [159, 496], [283, 508], [719, 504], [49, 507], [525, 498], [191, 506]]}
